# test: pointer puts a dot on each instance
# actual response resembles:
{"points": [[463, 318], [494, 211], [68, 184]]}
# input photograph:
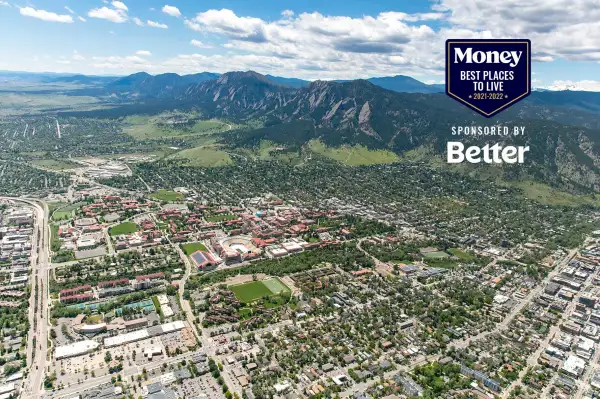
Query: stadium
{"points": [[235, 249]]}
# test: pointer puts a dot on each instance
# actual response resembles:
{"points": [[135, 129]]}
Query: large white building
{"points": [[574, 366], [75, 349]]}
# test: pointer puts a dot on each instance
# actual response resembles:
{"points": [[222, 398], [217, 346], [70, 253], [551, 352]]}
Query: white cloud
{"points": [[557, 28], [130, 63], [113, 15], [143, 53], [192, 25], [318, 46], [154, 24], [45, 15], [4, 3], [136, 59], [581, 85], [64, 62], [69, 10], [313, 45], [77, 57], [199, 44], [226, 22], [171, 10], [81, 19], [119, 5]]}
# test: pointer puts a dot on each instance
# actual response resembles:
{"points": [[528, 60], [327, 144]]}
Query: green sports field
{"points": [[252, 291], [192, 247], [124, 228]]}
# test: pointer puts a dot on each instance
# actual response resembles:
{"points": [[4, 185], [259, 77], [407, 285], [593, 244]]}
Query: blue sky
{"points": [[332, 39]]}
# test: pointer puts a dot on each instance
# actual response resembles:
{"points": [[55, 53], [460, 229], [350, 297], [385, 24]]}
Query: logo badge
{"points": [[488, 75]]}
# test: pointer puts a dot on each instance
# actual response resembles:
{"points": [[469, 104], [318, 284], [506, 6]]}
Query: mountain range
{"points": [[142, 84], [561, 128]]}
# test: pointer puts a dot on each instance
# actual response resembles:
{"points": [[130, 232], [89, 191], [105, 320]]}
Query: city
{"points": [[163, 294], [299, 200]]}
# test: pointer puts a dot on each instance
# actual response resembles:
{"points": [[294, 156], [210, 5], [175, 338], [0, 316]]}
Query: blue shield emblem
{"points": [[488, 75]]}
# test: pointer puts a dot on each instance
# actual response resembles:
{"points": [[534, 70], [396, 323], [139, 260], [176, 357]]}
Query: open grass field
{"points": [[204, 156], [547, 195], [254, 290], [275, 286], [52, 206], [192, 247], [144, 127], [55, 241], [23, 103], [353, 155], [62, 215], [462, 255], [123, 228], [220, 218], [436, 255], [65, 212], [54, 164], [166, 195], [269, 151]]}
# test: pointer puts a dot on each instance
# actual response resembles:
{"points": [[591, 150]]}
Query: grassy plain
{"points": [[353, 155], [547, 195], [123, 228], [24, 103], [166, 195], [54, 164], [220, 218], [204, 156], [143, 127]]}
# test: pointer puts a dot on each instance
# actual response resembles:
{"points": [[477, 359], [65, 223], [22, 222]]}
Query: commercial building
{"points": [[573, 366], [139, 335], [75, 349]]}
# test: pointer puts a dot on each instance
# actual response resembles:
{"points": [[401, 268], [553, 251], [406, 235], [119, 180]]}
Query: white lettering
{"points": [[455, 150], [492, 154], [467, 56]]}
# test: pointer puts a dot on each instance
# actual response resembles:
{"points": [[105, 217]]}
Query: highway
{"points": [[38, 302]]}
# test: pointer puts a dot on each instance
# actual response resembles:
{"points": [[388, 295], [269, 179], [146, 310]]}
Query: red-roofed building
{"points": [[258, 242], [362, 272], [150, 276], [113, 283], [76, 290], [202, 259], [76, 298]]}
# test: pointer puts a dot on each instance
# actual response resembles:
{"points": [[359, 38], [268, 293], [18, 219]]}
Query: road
{"points": [[532, 359], [189, 315], [38, 304], [517, 308]]}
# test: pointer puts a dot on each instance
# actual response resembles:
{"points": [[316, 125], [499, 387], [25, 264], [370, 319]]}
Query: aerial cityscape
{"points": [[254, 201]]}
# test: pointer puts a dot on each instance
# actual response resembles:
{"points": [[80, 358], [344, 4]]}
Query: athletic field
{"points": [[254, 290]]}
